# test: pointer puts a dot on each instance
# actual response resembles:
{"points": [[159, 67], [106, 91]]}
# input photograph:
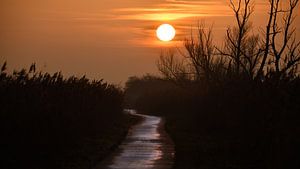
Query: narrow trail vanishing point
{"points": [[147, 146]]}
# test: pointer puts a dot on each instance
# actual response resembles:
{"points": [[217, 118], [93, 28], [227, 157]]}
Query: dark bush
{"points": [[43, 117]]}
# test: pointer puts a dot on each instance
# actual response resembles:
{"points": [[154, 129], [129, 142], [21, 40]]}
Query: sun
{"points": [[165, 32]]}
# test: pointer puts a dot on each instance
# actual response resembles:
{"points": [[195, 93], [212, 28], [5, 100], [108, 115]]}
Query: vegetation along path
{"points": [[146, 146]]}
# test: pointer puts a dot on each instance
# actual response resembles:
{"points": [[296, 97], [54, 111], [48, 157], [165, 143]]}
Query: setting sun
{"points": [[165, 32]]}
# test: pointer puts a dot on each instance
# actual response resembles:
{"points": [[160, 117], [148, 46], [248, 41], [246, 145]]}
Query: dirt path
{"points": [[147, 146]]}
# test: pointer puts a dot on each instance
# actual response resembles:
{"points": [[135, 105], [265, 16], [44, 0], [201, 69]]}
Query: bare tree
{"points": [[198, 58], [171, 67], [200, 52], [245, 54], [240, 46], [242, 15], [280, 46]]}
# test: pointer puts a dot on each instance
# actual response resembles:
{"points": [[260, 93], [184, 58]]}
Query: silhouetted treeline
{"points": [[139, 92], [237, 124], [234, 106], [46, 119]]}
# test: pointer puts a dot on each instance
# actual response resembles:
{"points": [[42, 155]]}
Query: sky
{"points": [[109, 39]]}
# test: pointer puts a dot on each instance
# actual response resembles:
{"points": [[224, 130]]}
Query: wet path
{"points": [[147, 146]]}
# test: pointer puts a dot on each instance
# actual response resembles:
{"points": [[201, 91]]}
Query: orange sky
{"points": [[110, 39]]}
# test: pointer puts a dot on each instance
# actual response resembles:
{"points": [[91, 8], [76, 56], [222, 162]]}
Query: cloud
{"points": [[145, 18], [172, 10], [159, 16]]}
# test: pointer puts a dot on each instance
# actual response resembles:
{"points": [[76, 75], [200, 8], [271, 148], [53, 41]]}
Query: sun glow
{"points": [[165, 32]]}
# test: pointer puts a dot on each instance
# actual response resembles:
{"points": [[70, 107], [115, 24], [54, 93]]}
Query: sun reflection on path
{"points": [[145, 147]]}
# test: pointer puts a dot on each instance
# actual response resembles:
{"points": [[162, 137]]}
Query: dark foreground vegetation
{"points": [[48, 121], [235, 106], [237, 125]]}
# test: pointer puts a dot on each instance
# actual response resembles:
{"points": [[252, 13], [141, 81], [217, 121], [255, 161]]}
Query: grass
{"points": [[48, 121]]}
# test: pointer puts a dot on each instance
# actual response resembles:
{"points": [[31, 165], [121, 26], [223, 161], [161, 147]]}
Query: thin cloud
{"points": [[181, 13], [160, 16]]}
